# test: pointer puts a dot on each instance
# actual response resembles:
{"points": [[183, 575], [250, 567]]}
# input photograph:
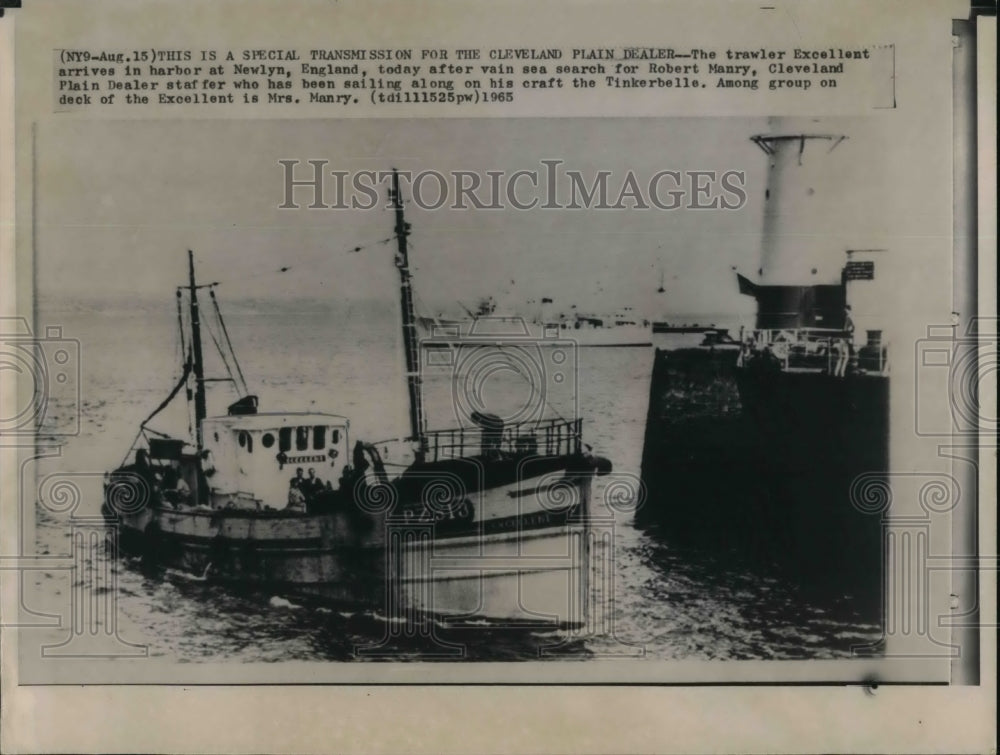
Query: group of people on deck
{"points": [[167, 486], [304, 493]]}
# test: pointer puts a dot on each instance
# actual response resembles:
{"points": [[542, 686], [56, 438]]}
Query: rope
{"points": [[169, 398], [142, 427], [229, 344], [222, 353]]}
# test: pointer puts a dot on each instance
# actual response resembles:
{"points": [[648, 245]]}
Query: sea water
{"points": [[668, 601]]}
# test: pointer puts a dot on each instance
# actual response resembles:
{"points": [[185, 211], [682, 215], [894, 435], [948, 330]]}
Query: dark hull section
{"points": [[758, 466], [327, 555], [505, 540]]}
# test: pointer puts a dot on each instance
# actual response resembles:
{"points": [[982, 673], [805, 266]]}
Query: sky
{"points": [[122, 202]]}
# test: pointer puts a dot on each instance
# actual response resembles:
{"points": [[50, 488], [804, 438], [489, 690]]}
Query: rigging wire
{"points": [[186, 356], [181, 382], [222, 353], [229, 343], [188, 408], [185, 347]]}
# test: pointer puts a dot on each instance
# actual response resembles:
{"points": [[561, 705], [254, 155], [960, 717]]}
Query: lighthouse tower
{"points": [[801, 243], [800, 279]]}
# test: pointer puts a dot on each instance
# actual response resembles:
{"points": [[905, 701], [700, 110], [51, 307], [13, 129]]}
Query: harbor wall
{"points": [[759, 470]]}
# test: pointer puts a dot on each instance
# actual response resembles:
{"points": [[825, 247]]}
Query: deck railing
{"points": [[823, 350], [553, 437]]}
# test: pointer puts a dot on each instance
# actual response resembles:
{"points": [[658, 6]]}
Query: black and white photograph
{"points": [[413, 409], [478, 368]]}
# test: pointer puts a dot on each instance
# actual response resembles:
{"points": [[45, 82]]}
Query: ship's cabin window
{"points": [[319, 437], [285, 439], [301, 438], [246, 441], [267, 439], [335, 437]]}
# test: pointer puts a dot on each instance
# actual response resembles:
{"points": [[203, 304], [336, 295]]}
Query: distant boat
{"points": [[484, 522], [484, 325], [671, 337]]}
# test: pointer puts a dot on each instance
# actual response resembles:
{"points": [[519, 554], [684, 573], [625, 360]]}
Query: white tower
{"points": [[803, 229]]}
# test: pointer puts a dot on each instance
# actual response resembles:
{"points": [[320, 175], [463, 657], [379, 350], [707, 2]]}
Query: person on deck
{"points": [[841, 351], [296, 498], [175, 490], [846, 345], [848, 322], [313, 486], [183, 491], [298, 480], [143, 468]]}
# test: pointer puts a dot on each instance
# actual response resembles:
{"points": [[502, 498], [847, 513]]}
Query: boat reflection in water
{"points": [[489, 522]]}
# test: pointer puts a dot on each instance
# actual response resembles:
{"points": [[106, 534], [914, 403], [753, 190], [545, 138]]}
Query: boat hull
{"points": [[522, 558]]}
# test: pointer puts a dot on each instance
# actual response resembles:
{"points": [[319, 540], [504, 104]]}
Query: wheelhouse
{"points": [[250, 461]]}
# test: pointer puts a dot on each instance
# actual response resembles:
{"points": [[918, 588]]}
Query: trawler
{"points": [[486, 522]]}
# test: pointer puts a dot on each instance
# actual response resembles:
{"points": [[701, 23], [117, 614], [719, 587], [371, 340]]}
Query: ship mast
{"points": [[410, 345], [198, 366]]}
